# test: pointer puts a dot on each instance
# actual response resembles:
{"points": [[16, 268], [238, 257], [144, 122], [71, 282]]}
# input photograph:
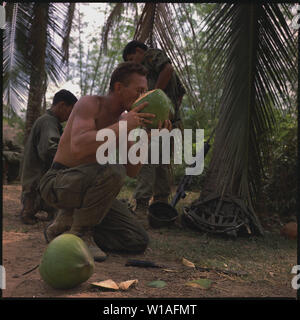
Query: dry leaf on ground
{"points": [[125, 285], [107, 284], [200, 283], [170, 270], [188, 263]]}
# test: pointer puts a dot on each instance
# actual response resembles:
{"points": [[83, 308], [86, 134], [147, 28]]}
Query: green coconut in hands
{"points": [[66, 262], [158, 103]]}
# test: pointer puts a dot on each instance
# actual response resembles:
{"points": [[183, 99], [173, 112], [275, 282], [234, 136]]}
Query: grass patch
{"points": [[264, 259]]}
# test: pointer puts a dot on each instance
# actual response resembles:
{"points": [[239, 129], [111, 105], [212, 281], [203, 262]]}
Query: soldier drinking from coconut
{"points": [[83, 190], [39, 152], [154, 180]]}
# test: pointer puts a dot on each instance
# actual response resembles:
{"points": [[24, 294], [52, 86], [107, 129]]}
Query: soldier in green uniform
{"points": [[39, 152], [11, 157], [85, 191], [154, 180]]}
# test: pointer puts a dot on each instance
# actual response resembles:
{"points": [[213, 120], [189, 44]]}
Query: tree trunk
{"points": [[232, 159], [44, 107], [37, 53]]}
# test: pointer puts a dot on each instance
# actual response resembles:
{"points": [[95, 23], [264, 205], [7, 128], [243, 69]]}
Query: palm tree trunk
{"points": [[38, 43], [242, 70], [44, 107], [222, 179]]}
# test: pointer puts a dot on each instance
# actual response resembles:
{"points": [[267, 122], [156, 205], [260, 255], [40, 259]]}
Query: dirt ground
{"points": [[24, 245]]}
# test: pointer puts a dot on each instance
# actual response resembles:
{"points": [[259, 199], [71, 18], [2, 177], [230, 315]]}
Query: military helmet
{"points": [[161, 214]]}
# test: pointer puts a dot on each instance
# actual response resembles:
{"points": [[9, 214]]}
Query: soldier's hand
{"points": [[166, 125], [135, 118]]}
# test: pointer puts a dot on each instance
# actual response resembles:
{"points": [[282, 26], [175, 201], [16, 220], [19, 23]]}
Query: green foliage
{"points": [[16, 122], [254, 61], [36, 37], [90, 66], [279, 187], [197, 74], [130, 182], [197, 183]]}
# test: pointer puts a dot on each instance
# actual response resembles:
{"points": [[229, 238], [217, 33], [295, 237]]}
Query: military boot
{"points": [[141, 206], [28, 212], [51, 214], [5, 173], [86, 234], [61, 223], [164, 199], [83, 227]]}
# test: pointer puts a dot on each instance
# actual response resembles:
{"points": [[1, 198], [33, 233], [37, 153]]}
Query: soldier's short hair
{"points": [[131, 47], [123, 72], [65, 96]]}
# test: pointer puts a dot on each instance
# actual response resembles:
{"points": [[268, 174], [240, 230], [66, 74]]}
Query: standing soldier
{"points": [[154, 180], [39, 152]]}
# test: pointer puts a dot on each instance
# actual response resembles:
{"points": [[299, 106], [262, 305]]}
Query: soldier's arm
{"points": [[132, 169], [48, 142], [159, 62], [164, 77]]}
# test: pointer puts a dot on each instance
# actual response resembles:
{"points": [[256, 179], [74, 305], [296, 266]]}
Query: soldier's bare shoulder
{"points": [[89, 104]]}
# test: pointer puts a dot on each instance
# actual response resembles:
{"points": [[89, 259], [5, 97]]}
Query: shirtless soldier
{"points": [[82, 189]]}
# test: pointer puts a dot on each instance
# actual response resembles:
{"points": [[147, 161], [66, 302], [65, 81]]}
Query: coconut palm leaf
{"points": [[145, 27], [15, 78], [25, 45], [255, 57], [67, 27], [111, 23], [59, 23]]}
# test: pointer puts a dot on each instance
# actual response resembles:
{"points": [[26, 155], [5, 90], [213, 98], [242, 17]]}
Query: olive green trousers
{"points": [[153, 179], [91, 191]]}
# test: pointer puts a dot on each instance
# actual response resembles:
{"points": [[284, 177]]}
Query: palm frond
{"points": [[15, 64], [112, 21], [59, 24], [254, 54], [23, 45], [145, 27], [67, 28]]}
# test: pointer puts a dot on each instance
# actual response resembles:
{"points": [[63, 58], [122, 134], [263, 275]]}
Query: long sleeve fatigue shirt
{"points": [[154, 61], [40, 150]]}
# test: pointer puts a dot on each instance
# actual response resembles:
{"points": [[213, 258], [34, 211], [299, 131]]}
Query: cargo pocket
{"points": [[46, 188], [69, 188]]}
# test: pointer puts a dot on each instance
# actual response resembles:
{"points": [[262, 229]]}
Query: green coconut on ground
{"points": [[66, 262]]}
